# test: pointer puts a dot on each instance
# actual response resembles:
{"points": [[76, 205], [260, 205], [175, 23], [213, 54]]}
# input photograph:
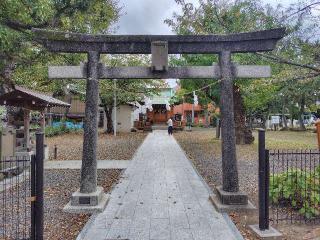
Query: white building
{"points": [[124, 117]]}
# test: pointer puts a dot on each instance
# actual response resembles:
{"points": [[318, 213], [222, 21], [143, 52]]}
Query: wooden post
{"points": [[193, 105], [50, 117], [218, 128], [43, 123], [182, 117], [26, 123], [192, 117], [318, 132]]}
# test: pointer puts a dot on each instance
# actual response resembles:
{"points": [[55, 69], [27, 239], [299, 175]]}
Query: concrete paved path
{"points": [[76, 164], [160, 196]]}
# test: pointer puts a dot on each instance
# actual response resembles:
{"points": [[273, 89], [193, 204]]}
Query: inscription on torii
{"points": [[159, 46]]}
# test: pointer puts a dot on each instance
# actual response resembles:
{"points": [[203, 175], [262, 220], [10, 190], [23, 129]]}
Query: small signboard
{"points": [[275, 119]]}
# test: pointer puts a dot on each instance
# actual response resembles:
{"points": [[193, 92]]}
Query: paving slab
{"points": [[76, 164], [160, 196]]}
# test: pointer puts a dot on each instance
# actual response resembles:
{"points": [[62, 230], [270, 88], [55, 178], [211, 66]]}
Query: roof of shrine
{"points": [[30, 99]]}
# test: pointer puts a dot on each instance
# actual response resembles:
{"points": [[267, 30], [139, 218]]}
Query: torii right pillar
{"points": [[228, 195]]}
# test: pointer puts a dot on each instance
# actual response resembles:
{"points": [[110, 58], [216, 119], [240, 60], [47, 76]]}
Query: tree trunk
{"points": [[292, 116], [284, 119], [250, 121], [301, 113], [6, 75], [243, 134], [14, 114], [207, 117], [264, 119], [108, 111]]}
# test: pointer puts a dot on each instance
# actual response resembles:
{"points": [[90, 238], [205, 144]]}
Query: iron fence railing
{"points": [[294, 186], [15, 195], [289, 185], [21, 195]]}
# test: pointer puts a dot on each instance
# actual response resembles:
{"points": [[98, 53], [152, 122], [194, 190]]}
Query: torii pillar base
{"points": [[230, 201], [87, 202]]}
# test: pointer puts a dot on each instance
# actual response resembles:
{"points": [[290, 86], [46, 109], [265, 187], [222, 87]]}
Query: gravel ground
{"points": [[121, 147], [59, 185], [205, 153]]}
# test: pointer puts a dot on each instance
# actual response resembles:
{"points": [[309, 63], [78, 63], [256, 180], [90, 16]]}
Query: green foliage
{"points": [[297, 189], [23, 61], [292, 78], [214, 18], [52, 131], [199, 125], [128, 90], [59, 130]]}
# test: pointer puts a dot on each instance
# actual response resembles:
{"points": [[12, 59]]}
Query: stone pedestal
{"points": [[87, 202], [270, 233], [232, 198], [230, 201]]}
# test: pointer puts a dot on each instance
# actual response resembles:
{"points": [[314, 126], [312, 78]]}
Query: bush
{"points": [[53, 131], [297, 189], [58, 130]]}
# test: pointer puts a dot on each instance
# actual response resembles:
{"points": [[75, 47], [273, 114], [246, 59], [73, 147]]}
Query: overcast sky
{"points": [[147, 16]]}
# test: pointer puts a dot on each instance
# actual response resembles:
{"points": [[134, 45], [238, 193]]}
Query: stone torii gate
{"points": [[90, 197]]}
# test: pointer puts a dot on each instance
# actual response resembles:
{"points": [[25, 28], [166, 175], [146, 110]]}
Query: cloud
{"points": [[146, 16]]}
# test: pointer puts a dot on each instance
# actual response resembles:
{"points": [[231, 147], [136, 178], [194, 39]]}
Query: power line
{"points": [[209, 85]]}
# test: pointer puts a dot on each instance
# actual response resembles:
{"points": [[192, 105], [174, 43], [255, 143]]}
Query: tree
{"points": [[211, 18], [296, 57], [19, 52], [22, 60], [126, 90]]}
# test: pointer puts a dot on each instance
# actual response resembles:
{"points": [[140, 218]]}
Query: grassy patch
{"points": [[290, 140]]}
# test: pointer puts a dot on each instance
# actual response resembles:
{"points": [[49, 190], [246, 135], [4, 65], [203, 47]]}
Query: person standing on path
{"points": [[170, 126]]}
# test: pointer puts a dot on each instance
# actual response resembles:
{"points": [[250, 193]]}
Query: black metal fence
{"points": [[294, 189], [21, 195], [289, 185], [15, 193]]}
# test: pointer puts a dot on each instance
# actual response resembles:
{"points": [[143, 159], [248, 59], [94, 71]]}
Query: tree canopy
{"points": [[295, 62], [20, 55], [24, 62]]}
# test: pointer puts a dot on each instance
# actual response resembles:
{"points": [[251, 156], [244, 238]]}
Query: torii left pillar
{"points": [[90, 197]]}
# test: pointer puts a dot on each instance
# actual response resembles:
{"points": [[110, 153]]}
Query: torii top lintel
{"points": [[141, 44]]}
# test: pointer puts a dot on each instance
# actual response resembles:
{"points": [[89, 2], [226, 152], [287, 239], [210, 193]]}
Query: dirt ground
{"points": [[121, 147], [58, 187], [205, 153]]}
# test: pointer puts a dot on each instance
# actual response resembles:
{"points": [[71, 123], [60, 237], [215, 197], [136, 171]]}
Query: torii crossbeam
{"points": [[89, 196]]}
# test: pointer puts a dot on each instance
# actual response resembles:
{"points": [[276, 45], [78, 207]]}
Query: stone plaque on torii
{"points": [[90, 197]]}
